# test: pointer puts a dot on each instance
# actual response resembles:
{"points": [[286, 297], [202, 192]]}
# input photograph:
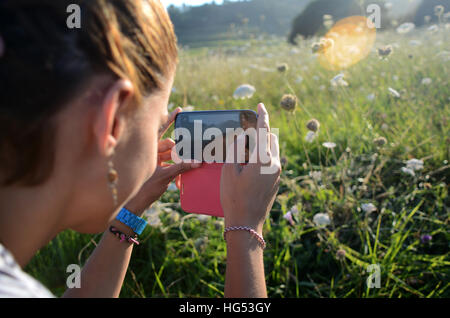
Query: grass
{"points": [[184, 255]]}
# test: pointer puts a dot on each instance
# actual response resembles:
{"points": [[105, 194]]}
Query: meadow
{"points": [[364, 183]]}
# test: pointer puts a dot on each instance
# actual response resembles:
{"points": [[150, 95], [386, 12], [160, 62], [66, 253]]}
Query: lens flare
{"points": [[350, 41]]}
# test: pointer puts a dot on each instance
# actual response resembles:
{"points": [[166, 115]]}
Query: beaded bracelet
{"points": [[258, 236], [123, 237]]}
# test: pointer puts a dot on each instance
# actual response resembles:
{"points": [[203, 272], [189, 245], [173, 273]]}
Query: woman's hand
{"points": [[164, 174], [247, 192]]}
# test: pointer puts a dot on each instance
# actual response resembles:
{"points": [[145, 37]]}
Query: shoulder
{"points": [[15, 283]]}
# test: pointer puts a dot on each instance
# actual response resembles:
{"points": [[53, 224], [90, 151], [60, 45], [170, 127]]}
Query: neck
{"points": [[22, 211]]}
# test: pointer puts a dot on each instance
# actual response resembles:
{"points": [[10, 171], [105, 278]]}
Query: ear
{"points": [[109, 121]]}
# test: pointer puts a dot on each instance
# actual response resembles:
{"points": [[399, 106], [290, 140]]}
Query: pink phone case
{"points": [[200, 190]]}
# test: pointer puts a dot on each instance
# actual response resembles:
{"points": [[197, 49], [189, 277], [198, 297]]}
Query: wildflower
{"points": [[425, 238], [294, 210], [338, 80], [201, 243], [394, 93], [244, 91], [316, 175], [438, 10], [313, 125], [310, 136], [368, 207], [427, 81], [299, 79], [289, 218], [405, 28], [283, 68], [385, 51], [414, 164], [321, 219], [329, 145], [380, 141], [340, 254], [409, 171], [433, 28], [371, 97], [288, 102]]}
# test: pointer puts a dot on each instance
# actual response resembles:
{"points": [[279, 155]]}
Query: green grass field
{"points": [[381, 209]]}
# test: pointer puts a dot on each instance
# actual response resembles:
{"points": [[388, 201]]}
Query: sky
{"points": [[188, 2]]}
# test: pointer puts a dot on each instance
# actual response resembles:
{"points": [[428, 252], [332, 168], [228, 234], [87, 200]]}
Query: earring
{"points": [[113, 178]]}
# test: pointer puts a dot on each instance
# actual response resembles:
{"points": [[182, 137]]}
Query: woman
{"points": [[82, 116]]}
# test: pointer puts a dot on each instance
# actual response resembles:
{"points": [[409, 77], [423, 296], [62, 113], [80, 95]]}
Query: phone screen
{"points": [[208, 135]]}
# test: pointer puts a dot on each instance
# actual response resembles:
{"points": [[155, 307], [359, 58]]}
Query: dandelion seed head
{"points": [[380, 141], [288, 102], [313, 125], [282, 68]]}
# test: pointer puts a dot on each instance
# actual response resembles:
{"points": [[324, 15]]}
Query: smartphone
{"points": [[207, 136]]}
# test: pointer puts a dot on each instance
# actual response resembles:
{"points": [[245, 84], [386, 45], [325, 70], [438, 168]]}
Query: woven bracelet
{"points": [[123, 237], [258, 236]]}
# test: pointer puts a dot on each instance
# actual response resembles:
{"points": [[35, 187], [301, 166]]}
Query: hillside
{"points": [[211, 22]]}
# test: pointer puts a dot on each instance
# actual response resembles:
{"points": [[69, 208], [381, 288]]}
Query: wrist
{"points": [[136, 208]]}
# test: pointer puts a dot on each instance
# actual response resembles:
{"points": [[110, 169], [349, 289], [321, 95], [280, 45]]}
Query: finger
{"points": [[274, 148], [169, 121], [178, 181], [263, 131], [165, 156], [171, 171], [165, 145]]}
